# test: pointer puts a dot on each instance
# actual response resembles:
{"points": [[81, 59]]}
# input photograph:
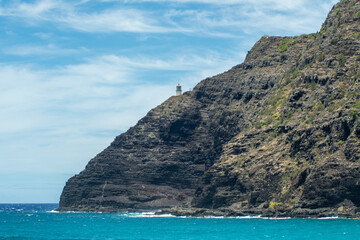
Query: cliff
{"points": [[278, 135]]}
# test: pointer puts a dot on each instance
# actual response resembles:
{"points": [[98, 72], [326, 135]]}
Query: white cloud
{"points": [[119, 20], [44, 36], [251, 17], [110, 20], [234, 15], [270, 4], [36, 10], [49, 49]]}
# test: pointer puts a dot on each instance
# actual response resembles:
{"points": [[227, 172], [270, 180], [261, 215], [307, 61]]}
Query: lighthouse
{"points": [[178, 90]]}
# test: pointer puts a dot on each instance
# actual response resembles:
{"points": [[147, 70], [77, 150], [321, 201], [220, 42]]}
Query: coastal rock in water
{"points": [[278, 135]]}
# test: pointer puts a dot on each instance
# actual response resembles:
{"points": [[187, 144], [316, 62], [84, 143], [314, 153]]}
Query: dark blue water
{"points": [[37, 222]]}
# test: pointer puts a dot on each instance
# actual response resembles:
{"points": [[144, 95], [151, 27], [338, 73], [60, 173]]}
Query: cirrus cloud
{"points": [[126, 16]]}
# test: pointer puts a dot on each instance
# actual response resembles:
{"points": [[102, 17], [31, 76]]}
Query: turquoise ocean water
{"points": [[37, 221]]}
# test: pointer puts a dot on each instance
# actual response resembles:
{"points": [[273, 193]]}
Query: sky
{"points": [[75, 74]]}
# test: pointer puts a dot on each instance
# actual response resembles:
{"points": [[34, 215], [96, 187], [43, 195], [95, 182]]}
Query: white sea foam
{"points": [[222, 217], [146, 215], [213, 217], [248, 217], [155, 215], [324, 218], [53, 211]]}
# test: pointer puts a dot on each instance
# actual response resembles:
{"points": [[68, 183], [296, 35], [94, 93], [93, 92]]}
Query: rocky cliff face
{"points": [[278, 135]]}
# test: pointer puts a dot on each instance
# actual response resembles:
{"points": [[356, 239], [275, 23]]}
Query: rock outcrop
{"points": [[278, 135]]}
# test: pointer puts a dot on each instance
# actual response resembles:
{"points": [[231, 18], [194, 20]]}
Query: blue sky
{"points": [[75, 74]]}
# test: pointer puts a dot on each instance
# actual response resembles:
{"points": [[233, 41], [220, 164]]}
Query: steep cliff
{"points": [[278, 135]]}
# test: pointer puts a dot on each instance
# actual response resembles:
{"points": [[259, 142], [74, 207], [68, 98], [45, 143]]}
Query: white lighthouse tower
{"points": [[178, 90]]}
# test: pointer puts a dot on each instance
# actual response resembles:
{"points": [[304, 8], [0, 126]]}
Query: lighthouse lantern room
{"points": [[178, 90]]}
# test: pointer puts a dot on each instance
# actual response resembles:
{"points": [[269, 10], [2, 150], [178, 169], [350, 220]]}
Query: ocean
{"points": [[38, 221]]}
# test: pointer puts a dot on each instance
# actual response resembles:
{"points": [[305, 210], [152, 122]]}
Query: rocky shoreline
{"points": [[345, 210], [350, 213]]}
